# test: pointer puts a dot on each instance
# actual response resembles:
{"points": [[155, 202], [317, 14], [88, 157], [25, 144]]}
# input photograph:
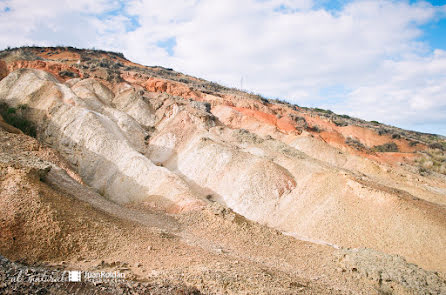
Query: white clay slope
{"points": [[134, 146]]}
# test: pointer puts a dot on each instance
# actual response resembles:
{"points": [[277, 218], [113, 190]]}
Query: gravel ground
{"points": [[17, 278]]}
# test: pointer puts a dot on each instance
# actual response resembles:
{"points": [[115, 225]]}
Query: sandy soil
{"points": [[141, 171]]}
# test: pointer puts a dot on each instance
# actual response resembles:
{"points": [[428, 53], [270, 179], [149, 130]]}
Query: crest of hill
{"points": [[95, 58]]}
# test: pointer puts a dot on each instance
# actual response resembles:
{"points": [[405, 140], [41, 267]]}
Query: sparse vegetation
{"points": [[314, 128], [386, 148], [433, 160], [339, 122], [300, 121], [438, 146], [269, 160], [355, 143], [68, 74], [14, 117], [323, 111], [109, 66], [259, 97], [382, 131], [279, 101], [244, 135], [27, 49]]}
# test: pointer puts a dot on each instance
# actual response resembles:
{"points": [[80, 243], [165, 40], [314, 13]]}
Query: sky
{"points": [[382, 60]]}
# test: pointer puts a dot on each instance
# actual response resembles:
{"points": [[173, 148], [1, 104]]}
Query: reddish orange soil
{"points": [[52, 67], [276, 115]]}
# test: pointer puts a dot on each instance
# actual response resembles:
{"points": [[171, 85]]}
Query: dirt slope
{"points": [[131, 158]]}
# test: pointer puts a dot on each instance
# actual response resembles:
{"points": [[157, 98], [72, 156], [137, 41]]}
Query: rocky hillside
{"points": [[106, 163]]}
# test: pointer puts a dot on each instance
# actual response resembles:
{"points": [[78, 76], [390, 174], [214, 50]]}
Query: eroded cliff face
{"points": [[3, 69], [177, 144]]}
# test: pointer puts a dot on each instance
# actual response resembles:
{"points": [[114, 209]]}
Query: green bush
{"points": [[386, 148], [339, 122], [355, 143], [14, 117], [323, 111], [438, 146], [383, 131]]}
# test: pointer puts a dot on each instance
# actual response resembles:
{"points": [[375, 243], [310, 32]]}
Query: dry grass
{"points": [[433, 160]]}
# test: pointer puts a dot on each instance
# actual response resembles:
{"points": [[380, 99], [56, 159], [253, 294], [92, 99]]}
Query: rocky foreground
{"points": [[20, 279], [176, 182]]}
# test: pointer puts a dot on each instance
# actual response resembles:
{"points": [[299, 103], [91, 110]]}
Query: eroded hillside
{"points": [[225, 185]]}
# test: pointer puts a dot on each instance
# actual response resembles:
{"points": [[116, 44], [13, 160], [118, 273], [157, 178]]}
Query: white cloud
{"points": [[48, 22], [282, 48], [414, 93]]}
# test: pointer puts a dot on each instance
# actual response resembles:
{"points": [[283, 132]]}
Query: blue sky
{"points": [[434, 33], [381, 60]]}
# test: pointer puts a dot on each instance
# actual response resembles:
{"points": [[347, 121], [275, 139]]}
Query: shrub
{"points": [[423, 171], [68, 74], [300, 121], [386, 148], [262, 99], [323, 111], [314, 128], [339, 122], [199, 105], [279, 101], [354, 143], [104, 64], [433, 160], [14, 117], [382, 131], [437, 145]]}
